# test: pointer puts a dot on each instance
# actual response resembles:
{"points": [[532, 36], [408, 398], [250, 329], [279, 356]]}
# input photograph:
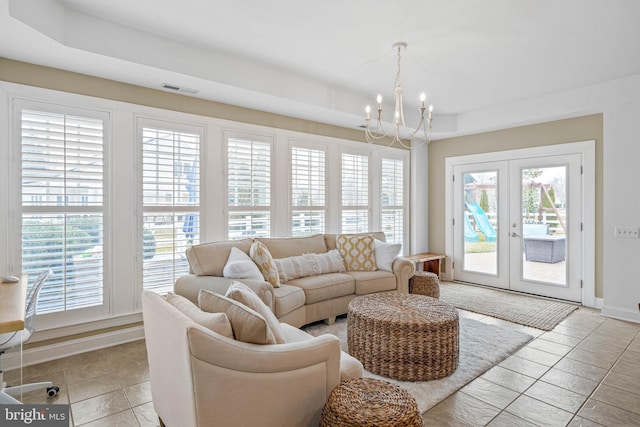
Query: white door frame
{"points": [[587, 150]]}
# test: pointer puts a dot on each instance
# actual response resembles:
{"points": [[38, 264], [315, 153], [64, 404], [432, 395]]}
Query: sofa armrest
{"points": [[189, 287], [404, 270]]}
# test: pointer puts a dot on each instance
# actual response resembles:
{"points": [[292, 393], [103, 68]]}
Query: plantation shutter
{"points": [[355, 193], [307, 191], [62, 164], [248, 187], [171, 204], [392, 200]]}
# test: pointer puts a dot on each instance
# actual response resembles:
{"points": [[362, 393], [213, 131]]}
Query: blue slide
{"points": [[482, 221], [470, 234]]}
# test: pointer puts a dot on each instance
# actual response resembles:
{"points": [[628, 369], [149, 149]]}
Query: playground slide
{"points": [[470, 234], [482, 221]]}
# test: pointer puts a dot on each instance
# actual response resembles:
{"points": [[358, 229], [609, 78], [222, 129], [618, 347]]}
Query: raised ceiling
{"points": [[325, 61]]}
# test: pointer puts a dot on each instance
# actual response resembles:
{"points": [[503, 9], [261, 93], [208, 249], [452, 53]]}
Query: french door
{"points": [[517, 224]]}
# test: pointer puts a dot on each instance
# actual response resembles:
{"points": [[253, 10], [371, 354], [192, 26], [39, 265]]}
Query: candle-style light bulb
{"points": [[423, 96], [379, 100], [368, 111]]}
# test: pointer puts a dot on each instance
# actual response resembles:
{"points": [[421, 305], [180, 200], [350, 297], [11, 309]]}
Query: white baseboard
{"points": [[620, 313], [46, 353]]}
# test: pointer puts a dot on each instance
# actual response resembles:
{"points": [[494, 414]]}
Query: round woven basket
{"points": [[404, 336], [370, 402], [425, 283]]}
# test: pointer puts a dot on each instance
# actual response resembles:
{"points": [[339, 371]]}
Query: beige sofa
{"points": [[201, 378], [299, 301]]}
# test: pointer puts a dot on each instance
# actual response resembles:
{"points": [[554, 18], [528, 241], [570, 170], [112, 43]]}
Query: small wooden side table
{"points": [[430, 262]]}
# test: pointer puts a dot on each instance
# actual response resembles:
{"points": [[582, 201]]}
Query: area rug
{"points": [[481, 347], [529, 311]]}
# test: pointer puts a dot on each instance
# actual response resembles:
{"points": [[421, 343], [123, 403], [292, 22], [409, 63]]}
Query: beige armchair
{"points": [[201, 378]]}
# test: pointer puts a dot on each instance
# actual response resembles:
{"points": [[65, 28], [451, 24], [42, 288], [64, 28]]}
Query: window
{"points": [[307, 191], [392, 200], [248, 187], [171, 203], [62, 168], [355, 193]]}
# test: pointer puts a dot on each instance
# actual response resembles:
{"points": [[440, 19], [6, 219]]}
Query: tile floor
{"points": [[586, 372]]}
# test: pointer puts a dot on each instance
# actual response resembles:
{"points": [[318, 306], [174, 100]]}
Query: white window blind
{"points": [[392, 199], [171, 204], [62, 163], [355, 193], [307, 191], [248, 187]]}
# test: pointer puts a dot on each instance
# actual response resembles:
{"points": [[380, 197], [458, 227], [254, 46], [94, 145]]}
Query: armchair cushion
{"points": [[248, 326], [244, 295], [217, 322]]}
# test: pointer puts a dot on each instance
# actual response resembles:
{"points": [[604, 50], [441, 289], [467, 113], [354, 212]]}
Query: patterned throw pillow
{"points": [[329, 262], [358, 252], [295, 267], [263, 259]]}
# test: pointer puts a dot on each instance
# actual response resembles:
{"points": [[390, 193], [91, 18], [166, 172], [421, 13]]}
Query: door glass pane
{"points": [[480, 220], [544, 224]]}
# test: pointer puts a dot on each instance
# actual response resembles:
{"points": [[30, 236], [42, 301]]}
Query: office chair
{"points": [[12, 339]]}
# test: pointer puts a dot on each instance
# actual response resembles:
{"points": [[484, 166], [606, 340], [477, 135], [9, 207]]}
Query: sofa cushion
{"points": [[358, 252], [244, 295], [217, 322], [209, 259], [325, 287], [247, 324], [261, 255], [385, 254], [284, 247], [287, 299], [368, 282], [295, 267], [240, 266]]}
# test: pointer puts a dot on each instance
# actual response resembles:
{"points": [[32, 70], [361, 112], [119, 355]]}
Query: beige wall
{"points": [[556, 132]]}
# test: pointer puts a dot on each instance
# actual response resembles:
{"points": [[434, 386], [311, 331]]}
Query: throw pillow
{"points": [[295, 267], [358, 252], [329, 262], [217, 322], [386, 253], [245, 295], [240, 266], [248, 326], [263, 259]]}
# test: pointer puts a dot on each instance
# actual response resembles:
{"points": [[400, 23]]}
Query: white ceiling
{"points": [[325, 60]]}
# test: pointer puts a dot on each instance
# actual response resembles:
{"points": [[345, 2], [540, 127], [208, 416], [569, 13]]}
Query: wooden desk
{"points": [[430, 262], [13, 300]]}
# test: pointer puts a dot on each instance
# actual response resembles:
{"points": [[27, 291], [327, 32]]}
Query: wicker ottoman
{"points": [[425, 283], [404, 336], [370, 402]]}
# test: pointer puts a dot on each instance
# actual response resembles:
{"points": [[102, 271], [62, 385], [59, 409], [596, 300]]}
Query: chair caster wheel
{"points": [[53, 391]]}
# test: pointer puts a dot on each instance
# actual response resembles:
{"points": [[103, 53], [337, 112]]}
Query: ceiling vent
{"points": [[179, 89]]}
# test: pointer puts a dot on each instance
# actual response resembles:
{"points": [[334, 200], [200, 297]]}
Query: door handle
{"points": [[514, 234]]}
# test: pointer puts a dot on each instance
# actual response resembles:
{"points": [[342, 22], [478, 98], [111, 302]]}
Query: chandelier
{"points": [[398, 132]]}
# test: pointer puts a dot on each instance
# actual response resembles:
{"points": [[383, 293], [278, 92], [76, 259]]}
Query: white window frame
{"points": [[368, 207], [404, 158], [303, 145]]}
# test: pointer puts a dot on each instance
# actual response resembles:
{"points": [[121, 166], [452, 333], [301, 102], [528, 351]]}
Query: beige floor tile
{"points": [[582, 422], [468, 409], [550, 346], [570, 381], [138, 393], [92, 387], [631, 356], [627, 368], [572, 332], [539, 412], [489, 392], [601, 360], [436, 416], [608, 415], [132, 375], [581, 369], [560, 339], [604, 347], [146, 415], [619, 398], [538, 356], [584, 321], [623, 382], [508, 378], [121, 419], [610, 340], [99, 407], [86, 371], [524, 366], [635, 344], [553, 395], [505, 419]]}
